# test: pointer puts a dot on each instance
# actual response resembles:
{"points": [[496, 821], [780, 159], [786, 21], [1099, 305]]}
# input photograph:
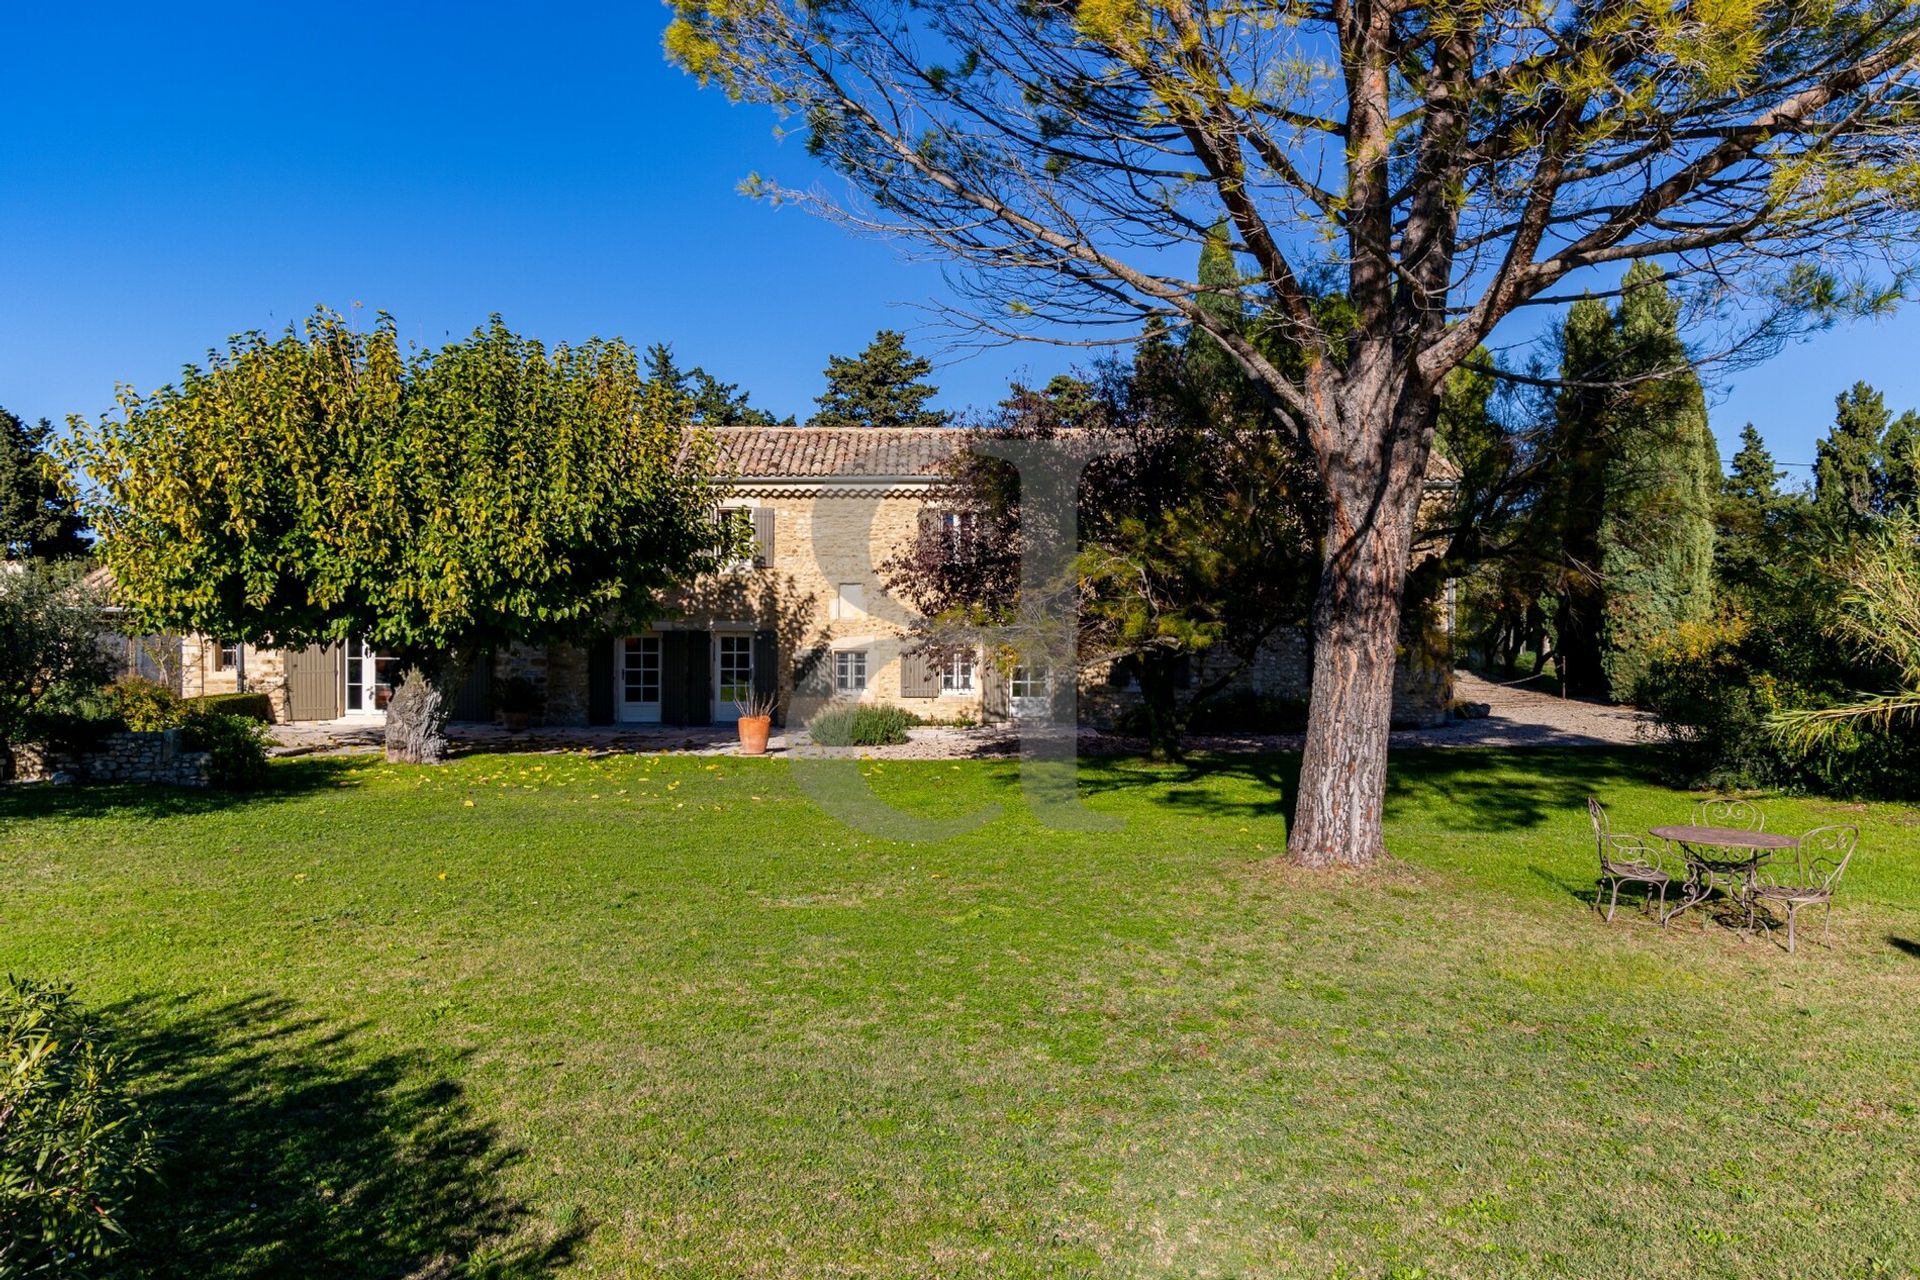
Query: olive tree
{"points": [[328, 485], [1435, 166]]}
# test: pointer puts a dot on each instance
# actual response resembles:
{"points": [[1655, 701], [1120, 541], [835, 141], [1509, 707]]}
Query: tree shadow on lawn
{"points": [[289, 1150], [285, 781], [1496, 789], [1481, 789]]}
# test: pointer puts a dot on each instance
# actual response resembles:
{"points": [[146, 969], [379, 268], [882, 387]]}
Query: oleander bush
{"points": [[856, 724], [74, 1147]]}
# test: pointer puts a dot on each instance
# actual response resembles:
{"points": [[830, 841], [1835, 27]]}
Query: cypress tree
{"points": [[1638, 475], [881, 387], [1576, 497], [1663, 477]]}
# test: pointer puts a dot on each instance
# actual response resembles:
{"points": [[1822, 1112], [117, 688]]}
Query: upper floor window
{"points": [[850, 671], [958, 527], [226, 655], [741, 540]]}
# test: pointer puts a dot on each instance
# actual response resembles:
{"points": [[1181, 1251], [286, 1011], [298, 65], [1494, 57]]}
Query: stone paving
{"points": [[1515, 717]]}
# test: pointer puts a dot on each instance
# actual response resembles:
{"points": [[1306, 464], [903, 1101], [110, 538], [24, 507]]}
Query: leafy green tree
{"points": [[1577, 492], [1437, 169], [712, 403], [38, 516], [327, 486], [51, 623], [883, 386]]}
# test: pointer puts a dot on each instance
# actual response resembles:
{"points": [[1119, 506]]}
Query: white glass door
{"points": [[732, 674], [1030, 690], [370, 678], [640, 679]]}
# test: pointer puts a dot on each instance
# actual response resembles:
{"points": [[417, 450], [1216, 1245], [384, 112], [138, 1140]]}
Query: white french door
{"points": [[640, 679], [1030, 691], [369, 679], [732, 673]]}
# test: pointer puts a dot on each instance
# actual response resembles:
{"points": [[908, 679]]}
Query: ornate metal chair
{"points": [[1808, 877], [1626, 859], [1730, 812]]}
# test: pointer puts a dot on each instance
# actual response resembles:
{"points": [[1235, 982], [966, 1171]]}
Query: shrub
{"points": [[144, 705], [1713, 689], [50, 627], [250, 706], [858, 724], [238, 745], [74, 1147]]}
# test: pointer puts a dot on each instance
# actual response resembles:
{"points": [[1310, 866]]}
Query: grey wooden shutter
{"points": [[699, 677], [998, 700], [763, 536], [920, 674], [600, 680]]}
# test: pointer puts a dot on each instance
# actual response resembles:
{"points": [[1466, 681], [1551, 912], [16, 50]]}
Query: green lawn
{"points": [[535, 1015]]}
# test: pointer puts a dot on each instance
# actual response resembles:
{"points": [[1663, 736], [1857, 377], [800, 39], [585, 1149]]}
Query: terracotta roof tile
{"points": [[762, 453]]}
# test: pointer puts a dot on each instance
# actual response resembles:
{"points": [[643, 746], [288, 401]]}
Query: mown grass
{"points": [[663, 1017]]}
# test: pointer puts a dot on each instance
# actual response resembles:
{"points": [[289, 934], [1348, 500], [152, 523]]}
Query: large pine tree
{"points": [[1749, 511], [714, 403], [1638, 475], [1869, 463], [883, 386]]}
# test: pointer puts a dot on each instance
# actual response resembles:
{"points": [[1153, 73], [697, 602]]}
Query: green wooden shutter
{"points": [[766, 669], [673, 677], [699, 677], [600, 679]]}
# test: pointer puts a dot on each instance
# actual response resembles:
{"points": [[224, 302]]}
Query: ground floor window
{"points": [[1029, 681], [850, 671], [734, 669], [956, 676], [640, 670]]}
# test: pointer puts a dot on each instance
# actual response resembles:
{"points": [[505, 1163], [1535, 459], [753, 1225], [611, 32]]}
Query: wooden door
{"points": [[314, 683]]}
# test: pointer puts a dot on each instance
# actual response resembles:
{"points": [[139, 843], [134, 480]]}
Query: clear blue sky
{"points": [[167, 181]]}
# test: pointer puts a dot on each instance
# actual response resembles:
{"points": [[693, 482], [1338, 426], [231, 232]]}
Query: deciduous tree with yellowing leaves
{"points": [[329, 485], [1439, 166]]}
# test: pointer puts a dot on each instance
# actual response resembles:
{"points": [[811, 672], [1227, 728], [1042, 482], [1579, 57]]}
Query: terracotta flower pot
{"points": [[515, 721], [753, 734]]}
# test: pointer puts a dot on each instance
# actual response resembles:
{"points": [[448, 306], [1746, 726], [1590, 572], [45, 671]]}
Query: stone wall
{"points": [[156, 758]]}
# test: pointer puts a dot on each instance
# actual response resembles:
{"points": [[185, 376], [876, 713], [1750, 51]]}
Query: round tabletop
{"points": [[1724, 837]]}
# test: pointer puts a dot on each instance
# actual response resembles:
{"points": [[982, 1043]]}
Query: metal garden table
{"points": [[1723, 858]]}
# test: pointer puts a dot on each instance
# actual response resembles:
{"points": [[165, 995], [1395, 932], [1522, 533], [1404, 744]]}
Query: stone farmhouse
{"points": [[806, 617]]}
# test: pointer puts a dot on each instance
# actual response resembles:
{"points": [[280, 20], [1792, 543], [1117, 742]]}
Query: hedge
{"points": [[251, 706]]}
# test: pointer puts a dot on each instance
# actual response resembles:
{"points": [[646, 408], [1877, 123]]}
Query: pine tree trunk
{"points": [[1356, 627], [417, 714]]}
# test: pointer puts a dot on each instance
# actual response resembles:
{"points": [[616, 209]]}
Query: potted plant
{"points": [[755, 723], [519, 699]]}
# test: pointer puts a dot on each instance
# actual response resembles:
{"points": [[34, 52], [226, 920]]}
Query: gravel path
{"points": [[1516, 717]]}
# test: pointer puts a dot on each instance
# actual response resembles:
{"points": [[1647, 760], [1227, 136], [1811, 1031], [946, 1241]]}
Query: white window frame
{"points": [[959, 661], [849, 666], [849, 601], [735, 511]]}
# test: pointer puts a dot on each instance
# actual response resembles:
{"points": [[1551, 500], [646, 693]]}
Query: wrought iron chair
{"points": [[1808, 878], [1730, 812], [1626, 859]]}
